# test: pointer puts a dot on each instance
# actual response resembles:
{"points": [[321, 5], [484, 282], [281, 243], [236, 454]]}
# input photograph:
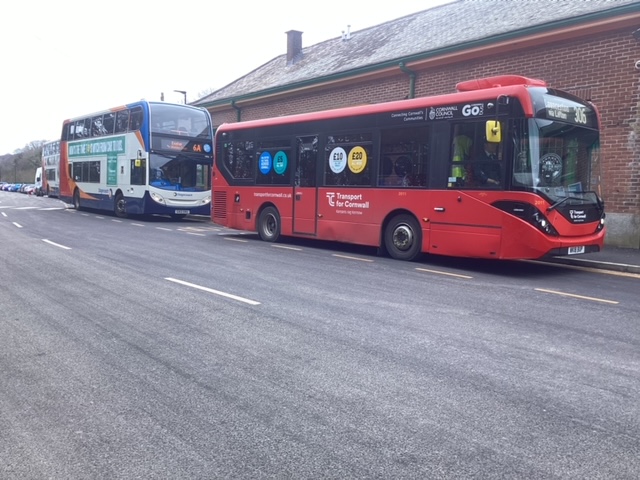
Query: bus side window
{"points": [[97, 128], [79, 129], [135, 121], [461, 147], [108, 123], [405, 157], [122, 121], [306, 161]]}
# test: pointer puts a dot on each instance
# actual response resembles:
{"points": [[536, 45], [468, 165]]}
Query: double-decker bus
{"points": [[505, 168], [50, 179], [141, 158]]}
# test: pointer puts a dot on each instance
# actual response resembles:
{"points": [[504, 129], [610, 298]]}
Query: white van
{"points": [[39, 191]]}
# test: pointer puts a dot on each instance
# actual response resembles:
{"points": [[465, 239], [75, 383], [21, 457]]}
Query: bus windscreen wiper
{"points": [[560, 202]]}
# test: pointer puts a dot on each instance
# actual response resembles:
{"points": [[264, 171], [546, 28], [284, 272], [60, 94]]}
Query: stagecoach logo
{"points": [[578, 215], [347, 203]]}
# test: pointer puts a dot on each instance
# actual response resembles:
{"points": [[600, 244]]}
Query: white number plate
{"points": [[576, 250], [187, 212]]}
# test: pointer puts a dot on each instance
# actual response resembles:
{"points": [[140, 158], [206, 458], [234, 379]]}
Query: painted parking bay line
{"points": [[211, 290]]}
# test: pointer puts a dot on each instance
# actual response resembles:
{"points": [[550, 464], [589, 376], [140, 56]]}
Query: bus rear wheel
{"points": [[269, 224], [403, 238], [120, 206]]}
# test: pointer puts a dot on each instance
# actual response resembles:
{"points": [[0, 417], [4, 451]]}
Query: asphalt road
{"points": [[150, 348]]}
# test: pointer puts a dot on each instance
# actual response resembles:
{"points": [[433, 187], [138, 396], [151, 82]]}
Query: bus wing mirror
{"points": [[493, 131]]}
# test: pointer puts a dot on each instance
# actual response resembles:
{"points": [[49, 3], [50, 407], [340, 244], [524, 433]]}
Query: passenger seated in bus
{"points": [[486, 169]]}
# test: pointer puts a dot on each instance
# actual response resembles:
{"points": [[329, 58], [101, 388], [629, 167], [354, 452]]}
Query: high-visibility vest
{"points": [[461, 151]]}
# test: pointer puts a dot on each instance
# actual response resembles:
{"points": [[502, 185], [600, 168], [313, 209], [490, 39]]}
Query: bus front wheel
{"points": [[403, 238], [120, 206], [269, 224]]}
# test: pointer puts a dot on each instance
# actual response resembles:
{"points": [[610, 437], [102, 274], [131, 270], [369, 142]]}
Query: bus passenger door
{"points": [[305, 202]]}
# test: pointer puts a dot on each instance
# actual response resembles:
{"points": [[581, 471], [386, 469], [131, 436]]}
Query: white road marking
{"points": [[347, 257], [55, 244], [287, 248], [443, 273], [216, 292], [564, 294]]}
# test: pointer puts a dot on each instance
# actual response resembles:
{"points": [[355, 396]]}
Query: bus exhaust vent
{"points": [[220, 205]]}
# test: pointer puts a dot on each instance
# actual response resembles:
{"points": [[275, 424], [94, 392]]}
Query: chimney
{"points": [[294, 46]]}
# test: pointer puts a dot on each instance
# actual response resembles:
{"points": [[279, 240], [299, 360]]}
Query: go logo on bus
{"points": [[357, 159], [473, 110]]}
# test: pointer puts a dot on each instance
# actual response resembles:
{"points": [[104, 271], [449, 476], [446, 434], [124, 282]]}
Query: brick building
{"points": [[591, 49]]}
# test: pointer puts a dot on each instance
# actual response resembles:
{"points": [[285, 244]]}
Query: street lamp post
{"points": [[183, 93]]}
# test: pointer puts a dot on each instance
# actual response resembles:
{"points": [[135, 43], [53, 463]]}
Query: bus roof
{"points": [[471, 90]]}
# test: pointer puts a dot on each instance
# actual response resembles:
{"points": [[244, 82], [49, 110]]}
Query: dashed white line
{"points": [[443, 273], [285, 247], [215, 292], [572, 295], [347, 257], [55, 244]]}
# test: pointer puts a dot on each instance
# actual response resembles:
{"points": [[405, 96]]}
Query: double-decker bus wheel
{"points": [[269, 224], [403, 238], [120, 206]]}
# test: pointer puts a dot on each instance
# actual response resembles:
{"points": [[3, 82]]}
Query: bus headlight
{"points": [[206, 200], [540, 221], [158, 198]]}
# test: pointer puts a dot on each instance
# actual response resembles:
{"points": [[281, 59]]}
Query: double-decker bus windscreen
{"points": [[179, 172], [176, 120]]}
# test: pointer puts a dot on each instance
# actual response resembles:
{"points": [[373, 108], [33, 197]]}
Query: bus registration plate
{"points": [[182, 212], [576, 250]]}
